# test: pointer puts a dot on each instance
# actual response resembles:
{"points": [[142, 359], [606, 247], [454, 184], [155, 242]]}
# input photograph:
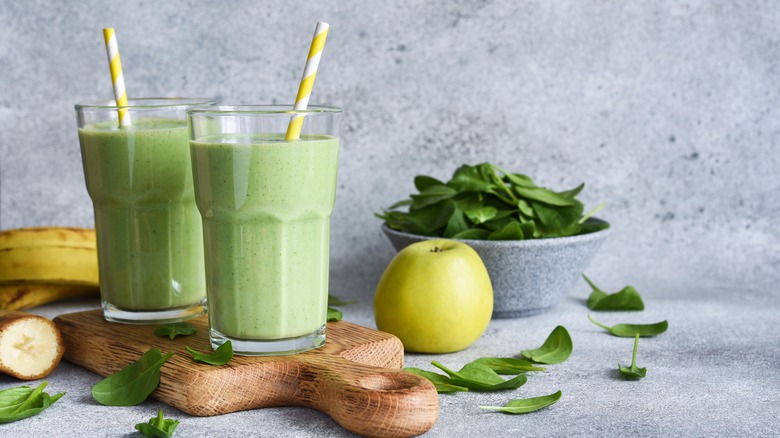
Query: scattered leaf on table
{"points": [[508, 365], [633, 372], [158, 427], [480, 377], [526, 405], [22, 402], [556, 349], [132, 384], [442, 383], [630, 330], [627, 299]]}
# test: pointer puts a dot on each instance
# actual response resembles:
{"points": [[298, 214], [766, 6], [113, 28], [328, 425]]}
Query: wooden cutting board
{"points": [[356, 378]]}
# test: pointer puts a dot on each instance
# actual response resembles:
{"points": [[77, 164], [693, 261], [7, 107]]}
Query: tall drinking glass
{"points": [[149, 234], [266, 206]]}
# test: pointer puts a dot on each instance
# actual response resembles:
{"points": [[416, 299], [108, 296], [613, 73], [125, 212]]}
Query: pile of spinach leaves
{"points": [[486, 202]]}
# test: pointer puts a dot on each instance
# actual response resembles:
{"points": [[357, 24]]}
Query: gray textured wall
{"points": [[666, 109]]}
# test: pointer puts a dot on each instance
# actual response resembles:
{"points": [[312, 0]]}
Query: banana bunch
{"points": [[41, 265]]}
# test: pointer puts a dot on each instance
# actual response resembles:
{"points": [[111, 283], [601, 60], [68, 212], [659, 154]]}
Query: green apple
{"points": [[435, 296]]}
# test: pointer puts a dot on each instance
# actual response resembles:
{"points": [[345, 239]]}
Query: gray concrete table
{"points": [[713, 373]]}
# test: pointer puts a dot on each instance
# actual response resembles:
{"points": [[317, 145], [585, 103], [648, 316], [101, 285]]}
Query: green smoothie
{"points": [[266, 207], [150, 244]]}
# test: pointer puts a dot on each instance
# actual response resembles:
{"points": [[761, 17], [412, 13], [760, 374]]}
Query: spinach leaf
{"points": [[508, 365], [472, 234], [630, 330], [571, 194], [158, 427], [443, 384], [525, 208], [556, 349], [220, 356], [559, 217], [589, 214], [591, 226], [627, 299], [132, 384], [480, 377], [175, 329], [23, 402], [511, 231], [456, 223], [401, 203], [336, 301], [484, 201], [422, 182], [472, 179], [516, 178], [334, 315], [525, 405], [433, 217], [481, 214], [431, 195], [633, 372], [543, 195]]}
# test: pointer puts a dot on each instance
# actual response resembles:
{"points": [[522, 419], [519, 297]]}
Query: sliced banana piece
{"points": [[30, 345]]}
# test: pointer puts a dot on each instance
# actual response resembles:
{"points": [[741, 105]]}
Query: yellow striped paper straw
{"points": [[117, 79], [307, 81]]}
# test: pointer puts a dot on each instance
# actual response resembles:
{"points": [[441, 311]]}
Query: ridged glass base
{"points": [[165, 316], [274, 347]]}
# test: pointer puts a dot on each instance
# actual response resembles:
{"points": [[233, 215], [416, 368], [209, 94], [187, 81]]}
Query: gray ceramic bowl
{"points": [[529, 276]]}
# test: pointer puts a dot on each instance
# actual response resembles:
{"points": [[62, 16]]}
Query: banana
{"points": [[30, 345], [23, 296], [49, 254], [51, 264], [48, 236]]}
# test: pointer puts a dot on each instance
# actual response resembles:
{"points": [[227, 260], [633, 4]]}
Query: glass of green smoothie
{"points": [[266, 205], [149, 233]]}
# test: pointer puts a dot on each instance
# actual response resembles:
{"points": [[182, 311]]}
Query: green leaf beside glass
{"points": [[23, 402], [175, 329], [336, 301], [486, 202], [219, 357], [334, 315]]}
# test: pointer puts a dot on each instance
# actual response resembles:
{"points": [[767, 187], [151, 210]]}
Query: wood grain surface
{"points": [[356, 377]]}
